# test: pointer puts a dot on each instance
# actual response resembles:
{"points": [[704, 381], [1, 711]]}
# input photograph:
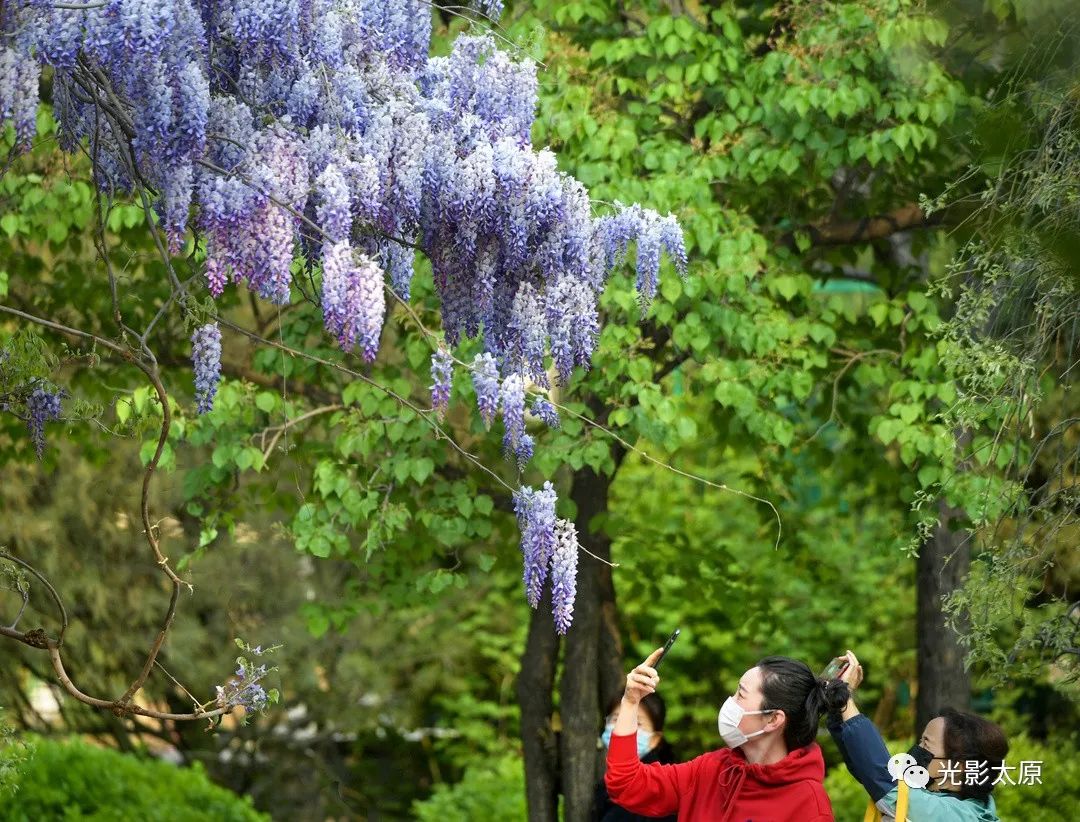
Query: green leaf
{"points": [[266, 401], [786, 286], [245, 459], [422, 468], [317, 622]]}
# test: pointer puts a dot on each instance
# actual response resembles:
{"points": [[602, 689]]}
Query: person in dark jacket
{"points": [[935, 767], [652, 747]]}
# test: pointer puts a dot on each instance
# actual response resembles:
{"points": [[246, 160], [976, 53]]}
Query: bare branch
{"points": [[148, 528]]}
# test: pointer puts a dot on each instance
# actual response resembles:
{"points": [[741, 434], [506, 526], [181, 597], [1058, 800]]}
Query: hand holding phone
{"points": [[835, 669], [667, 646]]}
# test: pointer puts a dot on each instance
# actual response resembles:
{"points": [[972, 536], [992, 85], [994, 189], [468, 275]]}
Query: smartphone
{"points": [[667, 646], [835, 669]]}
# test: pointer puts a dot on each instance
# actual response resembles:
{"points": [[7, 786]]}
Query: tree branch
{"points": [[38, 638], [877, 227]]}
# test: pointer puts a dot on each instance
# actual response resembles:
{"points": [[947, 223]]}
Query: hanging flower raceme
{"points": [[442, 376], [486, 383], [543, 410], [549, 548], [42, 406], [353, 299], [564, 562], [206, 359], [535, 512]]}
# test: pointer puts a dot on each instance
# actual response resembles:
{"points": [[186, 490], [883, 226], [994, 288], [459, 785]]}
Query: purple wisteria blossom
{"points": [[486, 382], [335, 204], [564, 562], [442, 377], [543, 410], [19, 76], [535, 512], [527, 334], [524, 450], [512, 397], [42, 406], [206, 358], [353, 299], [245, 688], [244, 691], [492, 8]]}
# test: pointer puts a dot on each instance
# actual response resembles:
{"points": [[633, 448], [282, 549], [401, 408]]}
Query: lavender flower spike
{"points": [[41, 407], [486, 383], [536, 519], [564, 562], [543, 409], [206, 357], [513, 404], [442, 375]]}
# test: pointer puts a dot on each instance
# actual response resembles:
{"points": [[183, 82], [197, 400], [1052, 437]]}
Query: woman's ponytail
{"points": [[790, 686], [836, 694]]}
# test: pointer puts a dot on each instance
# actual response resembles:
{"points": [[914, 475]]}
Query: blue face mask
{"points": [[643, 743], [643, 738]]}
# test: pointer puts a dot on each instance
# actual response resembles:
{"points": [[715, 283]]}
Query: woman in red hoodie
{"points": [[770, 771]]}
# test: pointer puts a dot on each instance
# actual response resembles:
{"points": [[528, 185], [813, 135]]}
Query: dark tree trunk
{"points": [[535, 688], [943, 564], [611, 662], [580, 689]]}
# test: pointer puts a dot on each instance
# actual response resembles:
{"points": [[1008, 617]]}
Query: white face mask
{"points": [[731, 715]]}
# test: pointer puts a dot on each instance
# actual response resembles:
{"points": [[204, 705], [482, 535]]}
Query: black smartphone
{"points": [[667, 646], [835, 668]]}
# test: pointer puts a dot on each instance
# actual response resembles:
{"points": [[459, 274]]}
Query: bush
{"points": [[1057, 798], [72, 780], [1053, 801], [493, 789]]}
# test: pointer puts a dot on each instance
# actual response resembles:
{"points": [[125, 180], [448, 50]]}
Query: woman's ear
{"points": [[776, 721]]}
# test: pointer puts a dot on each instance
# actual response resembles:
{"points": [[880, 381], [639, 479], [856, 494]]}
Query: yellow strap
{"points": [[901, 801], [872, 813]]}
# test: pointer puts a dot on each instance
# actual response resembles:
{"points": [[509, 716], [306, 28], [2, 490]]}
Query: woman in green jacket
{"points": [[936, 768]]}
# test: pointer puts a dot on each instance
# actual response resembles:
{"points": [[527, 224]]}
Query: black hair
{"points": [[790, 686], [652, 703], [968, 736]]}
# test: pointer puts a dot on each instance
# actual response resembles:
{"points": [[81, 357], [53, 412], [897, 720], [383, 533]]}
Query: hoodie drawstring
{"points": [[724, 778]]}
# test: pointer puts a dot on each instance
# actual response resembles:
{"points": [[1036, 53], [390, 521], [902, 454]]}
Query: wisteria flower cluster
{"points": [[42, 406], [321, 133], [549, 547], [32, 400], [206, 355], [245, 688]]}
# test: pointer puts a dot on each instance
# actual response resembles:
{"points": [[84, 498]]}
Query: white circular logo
{"points": [[899, 764], [916, 777]]}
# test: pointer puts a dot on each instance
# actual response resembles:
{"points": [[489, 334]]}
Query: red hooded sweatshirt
{"points": [[720, 786]]}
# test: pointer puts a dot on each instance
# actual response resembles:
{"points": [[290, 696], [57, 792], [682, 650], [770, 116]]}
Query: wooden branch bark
{"points": [[535, 690], [907, 217]]}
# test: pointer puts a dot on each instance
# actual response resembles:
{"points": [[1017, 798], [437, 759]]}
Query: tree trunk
{"points": [[580, 689], [611, 662], [535, 688], [943, 565]]}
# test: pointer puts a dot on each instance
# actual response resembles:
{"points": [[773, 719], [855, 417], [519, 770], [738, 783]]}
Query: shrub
{"points": [[72, 780], [493, 789]]}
